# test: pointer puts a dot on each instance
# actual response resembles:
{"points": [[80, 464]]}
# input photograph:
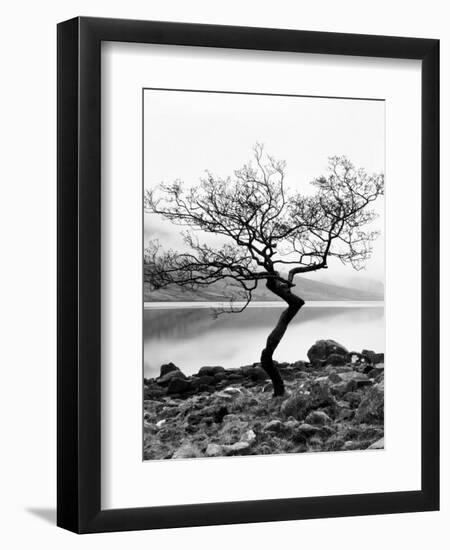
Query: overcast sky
{"points": [[186, 133]]}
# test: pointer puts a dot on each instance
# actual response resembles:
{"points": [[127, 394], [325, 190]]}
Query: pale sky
{"points": [[186, 133]]}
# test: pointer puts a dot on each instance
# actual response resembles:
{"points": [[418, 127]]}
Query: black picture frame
{"points": [[79, 281]]}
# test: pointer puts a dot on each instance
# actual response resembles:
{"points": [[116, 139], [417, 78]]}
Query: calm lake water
{"points": [[189, 335]]}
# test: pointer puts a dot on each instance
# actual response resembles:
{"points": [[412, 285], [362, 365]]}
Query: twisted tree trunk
{"points": [[294, 304]]}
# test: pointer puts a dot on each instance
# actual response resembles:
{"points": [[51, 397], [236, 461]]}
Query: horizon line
{"points": [[257, 303]]}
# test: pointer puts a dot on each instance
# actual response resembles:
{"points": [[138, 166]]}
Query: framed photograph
{"points": [[248, 259]]}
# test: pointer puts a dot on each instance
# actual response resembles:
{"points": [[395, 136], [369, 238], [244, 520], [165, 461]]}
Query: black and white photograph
{"points": [[233, 227], [263, 274]]}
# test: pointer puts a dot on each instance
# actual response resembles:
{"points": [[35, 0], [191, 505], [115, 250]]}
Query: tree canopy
{"points": [[269, 233]]}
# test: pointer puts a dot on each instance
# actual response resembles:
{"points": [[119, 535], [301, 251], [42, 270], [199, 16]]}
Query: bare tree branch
{"points": [[267, 230], [268, 234]]}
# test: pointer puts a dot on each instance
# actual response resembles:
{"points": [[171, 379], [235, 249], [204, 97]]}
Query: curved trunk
{"points": [[294, 304]]}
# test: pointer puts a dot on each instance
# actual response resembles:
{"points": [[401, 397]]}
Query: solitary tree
{"points": [[268, 233]]}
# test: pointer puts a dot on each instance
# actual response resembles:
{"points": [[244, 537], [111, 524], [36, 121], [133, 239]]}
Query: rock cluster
{"points": [[333, 402]]}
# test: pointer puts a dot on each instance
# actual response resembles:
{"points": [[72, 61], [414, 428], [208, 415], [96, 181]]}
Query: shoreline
{"points": [[263, 304], [334, 402]]}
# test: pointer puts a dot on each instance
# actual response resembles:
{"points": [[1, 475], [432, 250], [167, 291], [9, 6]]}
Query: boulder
{"points": [[166, 368], [378, 358], [213, 449], [235, 377], [274, 426], [331, 369], [352, 380], [255, 372], [368, 354], [376, 370], [210, 371], [322, 349], [258, 374], [334, 378], [179, 385], [379, 444], [198, 381], [249, 437], [351, 446], [298, 405], [339, 389], [236, 448], [345, 414], [187, 450], [321, 395], [291, 425], [153, 391], [224, 395], [371, 408], [294, 405], [164, 380], [239, 447], [233, 431], [232, 390], [372, 357], [317, 418], [169, 411], [300, 365], [354, 357], [336, 359], [246, 370], [354, 398], [307, 430], [326, 431]]}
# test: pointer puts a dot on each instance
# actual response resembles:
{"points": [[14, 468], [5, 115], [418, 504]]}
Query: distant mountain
{"points": [[218, 292], [354, 280]]}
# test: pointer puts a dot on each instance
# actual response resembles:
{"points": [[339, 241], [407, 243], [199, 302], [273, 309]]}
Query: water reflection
{"points": [[192, 337]]}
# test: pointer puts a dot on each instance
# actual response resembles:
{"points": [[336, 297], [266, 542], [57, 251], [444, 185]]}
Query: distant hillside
{"points": [[217, 292]]}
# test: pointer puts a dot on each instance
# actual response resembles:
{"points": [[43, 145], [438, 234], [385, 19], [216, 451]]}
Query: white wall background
{"points": [[28, 274]]}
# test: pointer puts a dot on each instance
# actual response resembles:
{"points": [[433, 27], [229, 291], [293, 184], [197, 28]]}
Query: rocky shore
{"points": [[333, 402]]}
